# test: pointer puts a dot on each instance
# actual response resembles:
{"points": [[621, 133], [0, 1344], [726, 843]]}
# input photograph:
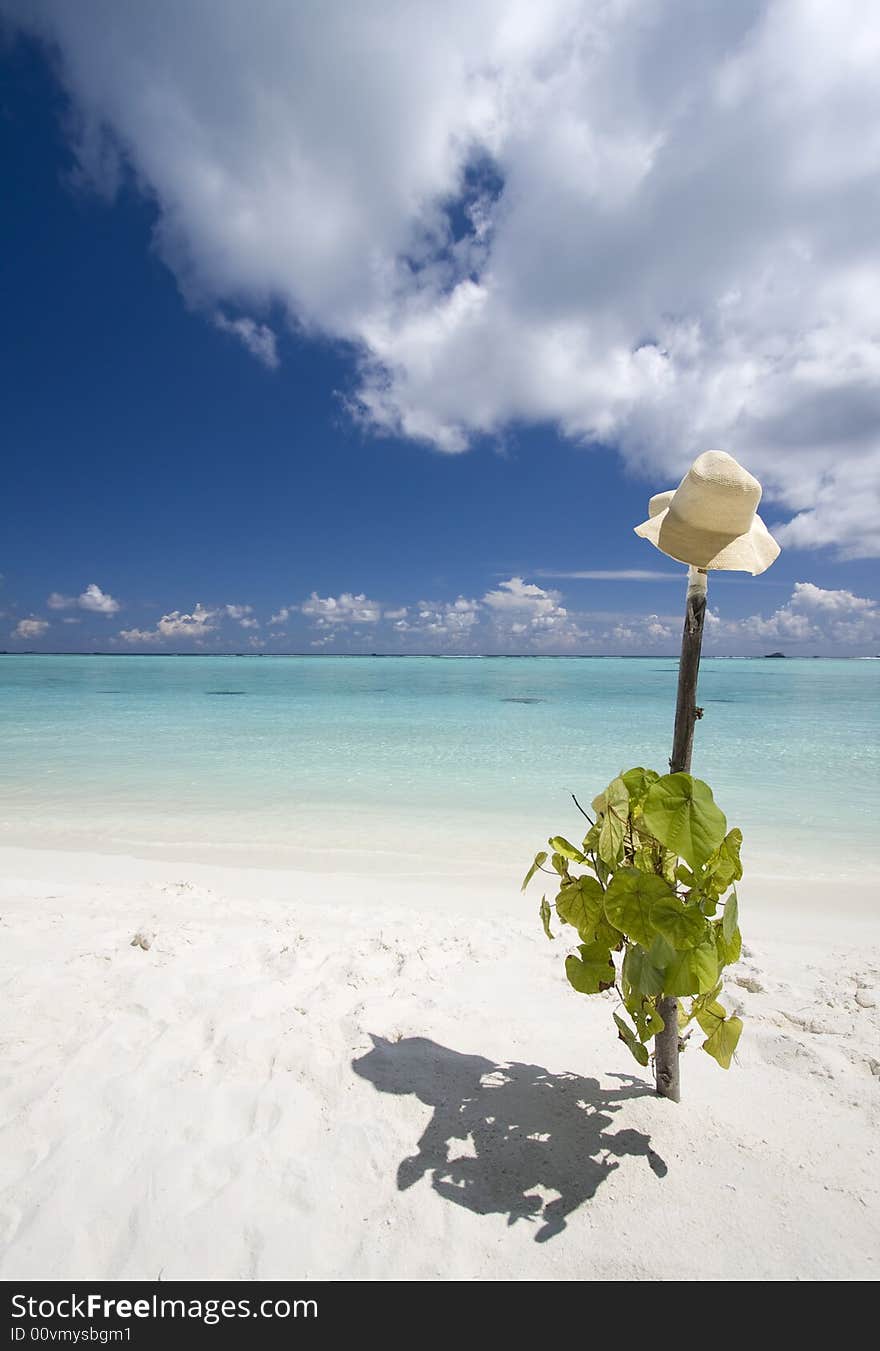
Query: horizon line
{"points": [[472, 656]]}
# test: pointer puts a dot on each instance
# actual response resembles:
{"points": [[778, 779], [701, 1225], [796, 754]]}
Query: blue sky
{"points": [[181, 431]]}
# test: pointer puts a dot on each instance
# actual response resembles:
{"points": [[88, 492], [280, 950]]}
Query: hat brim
{"points": [[752, 552]]}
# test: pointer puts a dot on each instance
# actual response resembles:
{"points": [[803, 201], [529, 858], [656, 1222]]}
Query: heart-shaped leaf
{"points": [[581, 905], [692, 972], [629, 899], [723, 1041], [681, 812], [683, 926], [592, 971]]}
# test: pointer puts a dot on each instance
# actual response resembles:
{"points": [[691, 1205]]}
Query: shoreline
{"points": [[767, 875]]}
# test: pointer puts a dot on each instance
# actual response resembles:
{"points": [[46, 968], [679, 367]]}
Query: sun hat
{"points": [[710, 519]]}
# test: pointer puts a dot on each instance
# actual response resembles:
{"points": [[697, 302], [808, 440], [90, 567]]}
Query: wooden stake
{"points": [[666, 1052]]}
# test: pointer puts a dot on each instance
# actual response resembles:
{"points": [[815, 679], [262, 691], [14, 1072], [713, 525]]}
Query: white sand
{"points": [[216, 1106]]}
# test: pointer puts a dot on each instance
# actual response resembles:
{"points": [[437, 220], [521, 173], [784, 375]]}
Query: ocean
{"points": [[418, 764]]}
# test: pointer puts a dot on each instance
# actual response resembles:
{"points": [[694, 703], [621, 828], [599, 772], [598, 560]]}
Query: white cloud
{"points": [[259, 339], [193, 627], [139, 636], [808, 597], [93, 599], [520, 616], [448, 621], [827, 620], [98, 601], [639, 632], [30, 628], [664, 227], [196, 625], [282, 615], [517, 596], [525, 613], [243, 615], [344, 609]]}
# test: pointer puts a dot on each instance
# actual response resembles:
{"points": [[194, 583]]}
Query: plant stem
{"points": [[666, 1047]]}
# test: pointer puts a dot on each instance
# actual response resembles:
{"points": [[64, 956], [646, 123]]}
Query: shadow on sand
{"points": [[525, 1131]]}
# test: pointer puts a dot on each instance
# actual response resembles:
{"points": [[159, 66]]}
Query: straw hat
{"points": [[710, 519]]}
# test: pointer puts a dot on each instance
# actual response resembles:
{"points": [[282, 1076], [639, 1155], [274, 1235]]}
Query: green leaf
{"points": [[608, 936], [602, 871], [724, 866], [539, 860], [629, 899], [627, 1035], [723, 1041], [692, 972], [682, 925], [562, 846], [710, 1015], [730, 918], [545, 917], [661, 953], [682, 814], [648, 1021], [727, 952], [593, 971], [560, 864], [591, 839], [645, 859], [581, 905], [640, 973], [615, 814], [637, 782]]}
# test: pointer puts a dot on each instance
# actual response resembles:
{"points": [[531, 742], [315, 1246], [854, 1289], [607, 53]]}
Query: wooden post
{"points": [[666, 1052]]}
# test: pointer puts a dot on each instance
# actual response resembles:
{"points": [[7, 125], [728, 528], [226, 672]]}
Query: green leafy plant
{"points": [[651, 896]]}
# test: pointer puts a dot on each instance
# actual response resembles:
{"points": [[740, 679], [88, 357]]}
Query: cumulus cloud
{"points": [[194, 627], [522, 611], [639, 632], [259, 339], [520, 616], [98, 601], [449, 622], [344, 609], [812, 619], [651, 224], [30, 628], [93, 599], [135, 637], [243, 615]]}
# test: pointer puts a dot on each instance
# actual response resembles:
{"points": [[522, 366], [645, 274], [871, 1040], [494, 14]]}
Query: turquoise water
{"points": [[467, 758]]}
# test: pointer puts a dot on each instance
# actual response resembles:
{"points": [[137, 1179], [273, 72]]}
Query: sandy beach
{"points": [[327, 1076]]}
